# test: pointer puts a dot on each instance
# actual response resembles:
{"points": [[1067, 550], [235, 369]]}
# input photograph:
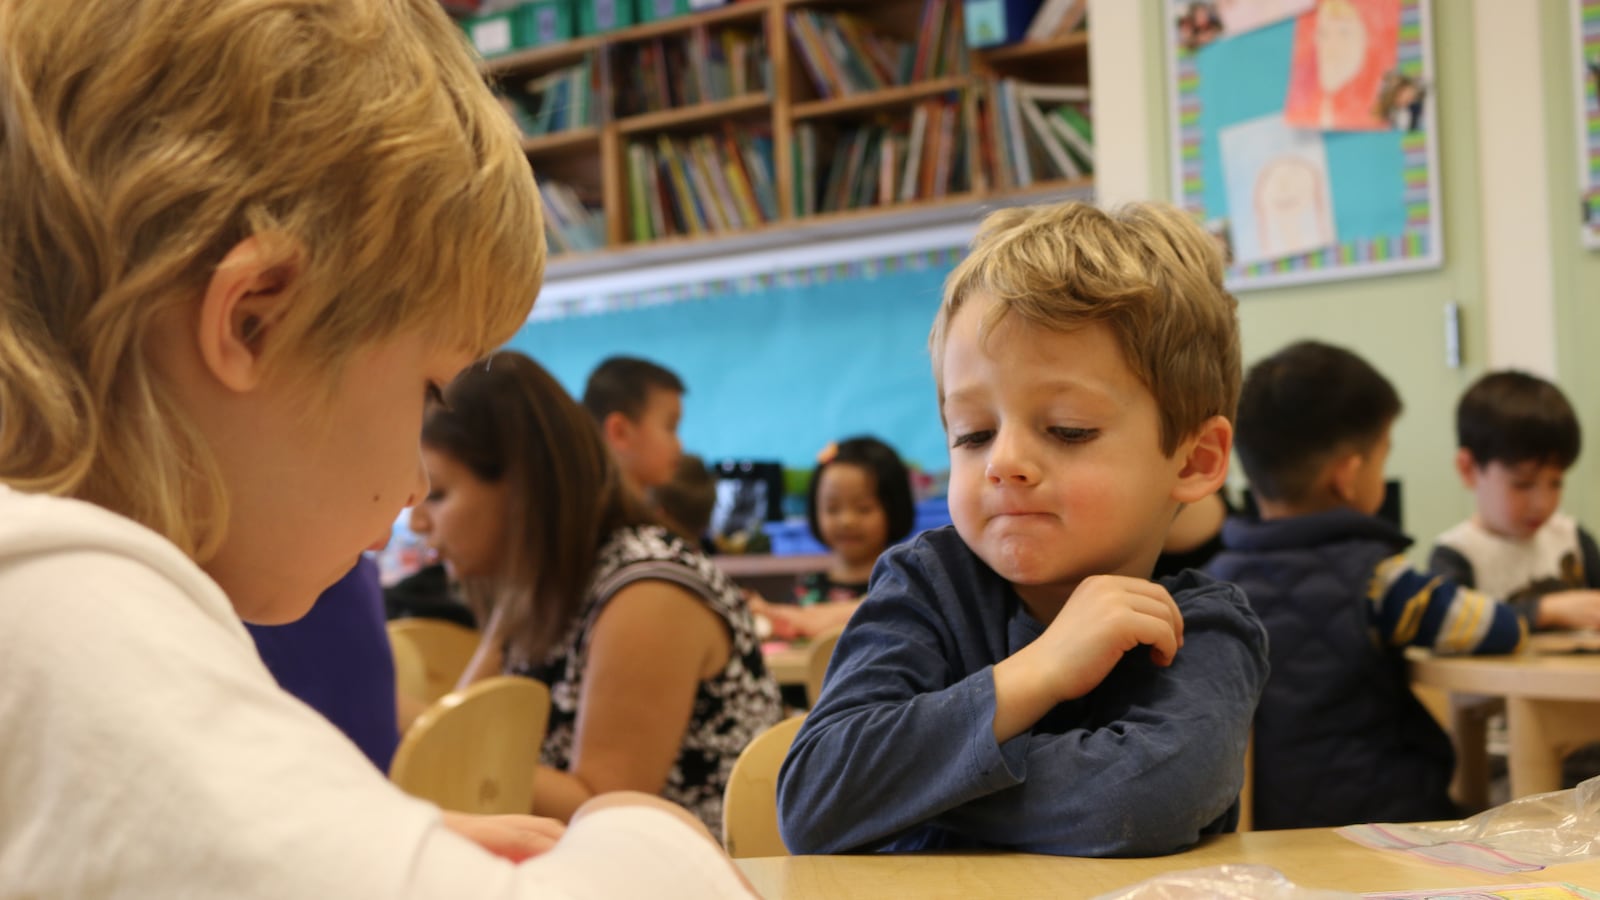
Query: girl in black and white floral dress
{"points": [[654, 667]]}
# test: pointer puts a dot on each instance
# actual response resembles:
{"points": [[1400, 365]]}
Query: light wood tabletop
{"points": [[1552, 703], [1312, 858], [787, 660]]}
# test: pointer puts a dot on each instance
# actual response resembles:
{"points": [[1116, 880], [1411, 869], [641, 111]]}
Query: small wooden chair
{"points": [[750, 804], [444, 648], [476, 749], [818, 652]]}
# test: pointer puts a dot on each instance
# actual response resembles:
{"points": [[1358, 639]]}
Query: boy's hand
{"points": [[1106, 616], [1577, 610], [512, 837]]}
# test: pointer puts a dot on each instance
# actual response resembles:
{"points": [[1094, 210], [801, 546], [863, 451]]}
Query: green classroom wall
{"points": [[1398, 322], [1575, 270]]}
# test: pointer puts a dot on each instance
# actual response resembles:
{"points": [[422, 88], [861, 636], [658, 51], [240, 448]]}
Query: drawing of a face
{"points": [[1290, 211], [1341, 40]]}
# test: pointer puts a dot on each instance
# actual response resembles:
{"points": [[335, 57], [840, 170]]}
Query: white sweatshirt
{"points": [[145, 751]]}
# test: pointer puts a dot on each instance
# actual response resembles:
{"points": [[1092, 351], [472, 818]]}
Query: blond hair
{"points": [[140, 140], [1148, 272]]}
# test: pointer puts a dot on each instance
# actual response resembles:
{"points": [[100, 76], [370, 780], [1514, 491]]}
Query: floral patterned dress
{"points": [[730, 708]]}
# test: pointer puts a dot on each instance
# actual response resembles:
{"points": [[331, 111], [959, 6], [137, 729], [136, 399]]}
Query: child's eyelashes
{"points": [[1075, 435], [972, 439]]}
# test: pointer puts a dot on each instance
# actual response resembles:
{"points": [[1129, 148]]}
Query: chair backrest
{"points": [[410, 670], [750, 803], [444, 648], [476, 749], [818, 652], [1247, 794]]}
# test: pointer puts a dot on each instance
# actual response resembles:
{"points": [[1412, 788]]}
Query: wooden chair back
{"points": [[750, 804], [444, 648], [818, 652], [1247, 794], [476, 749], [410, 669]]}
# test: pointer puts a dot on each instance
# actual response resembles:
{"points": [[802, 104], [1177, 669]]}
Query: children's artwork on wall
{"points": [[1239, 16], [1366, 203], [1342, 50], [1586, 36], [1277, 180]]}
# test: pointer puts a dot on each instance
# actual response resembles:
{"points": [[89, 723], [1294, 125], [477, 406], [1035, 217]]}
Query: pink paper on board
{"points": [[1342, 49]]}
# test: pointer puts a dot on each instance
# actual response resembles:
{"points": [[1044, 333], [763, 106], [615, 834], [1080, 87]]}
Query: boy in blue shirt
{"points": [[1339, 737], [1015, 680]]}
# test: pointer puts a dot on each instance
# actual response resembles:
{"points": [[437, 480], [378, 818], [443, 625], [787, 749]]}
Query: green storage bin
{"points": [[656, 10], [531, 24], [492, 34], [543, 22], [596, 16]]}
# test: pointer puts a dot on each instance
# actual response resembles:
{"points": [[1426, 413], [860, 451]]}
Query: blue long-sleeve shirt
{"points": [[899, 753]]}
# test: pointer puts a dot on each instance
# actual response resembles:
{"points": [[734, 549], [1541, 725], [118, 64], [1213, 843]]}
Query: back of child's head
{"points": [[1303, 407], [1147, 272], [510, 422], [890, 477], [622, 384], [142, 140], [688, 499], [1514, 417]]}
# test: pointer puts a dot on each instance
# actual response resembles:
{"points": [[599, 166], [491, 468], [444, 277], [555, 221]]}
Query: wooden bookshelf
{"points": [[888, 98], [604, 159], [1075, 42], [691, 116], [561, 142]]}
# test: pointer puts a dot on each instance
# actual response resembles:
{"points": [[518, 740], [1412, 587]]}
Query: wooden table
{"points": [[1313, 858], [1552, 705], [787, 661]]}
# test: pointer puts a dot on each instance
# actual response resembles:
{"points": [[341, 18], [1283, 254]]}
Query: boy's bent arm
{"points": [[902, 738], [1162, 763], [1411, 608]]}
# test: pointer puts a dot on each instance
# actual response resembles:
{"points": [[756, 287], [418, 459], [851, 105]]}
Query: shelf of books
{"points": [[729, 128]]}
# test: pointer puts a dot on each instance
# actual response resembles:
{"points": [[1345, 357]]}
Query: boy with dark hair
{"points": [[638, 405], [1339, 737], [1015, 680], [1518, 436]]}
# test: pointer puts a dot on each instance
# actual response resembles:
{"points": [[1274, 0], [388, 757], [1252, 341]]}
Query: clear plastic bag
{"points": [[1545, 829], [1232, 882]]}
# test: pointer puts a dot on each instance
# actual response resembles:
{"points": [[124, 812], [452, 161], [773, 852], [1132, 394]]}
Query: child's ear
{"points": [[246, 296], [1467, 468], [618, 430], [1342, 475], [1205, 461]]}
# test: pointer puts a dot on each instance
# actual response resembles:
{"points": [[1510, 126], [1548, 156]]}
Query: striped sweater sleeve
{"points": [[1416, 609]]}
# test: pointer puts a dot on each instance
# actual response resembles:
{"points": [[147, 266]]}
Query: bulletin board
{"points": [[1307, 169], [1586, 37]]}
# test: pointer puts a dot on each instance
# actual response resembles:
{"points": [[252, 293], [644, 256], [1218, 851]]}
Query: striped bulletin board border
{"points": [[1418, 245], [858, 270], [1586, 37]]}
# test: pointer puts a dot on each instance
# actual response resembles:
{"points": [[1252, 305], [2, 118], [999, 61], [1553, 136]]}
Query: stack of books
{"points": [[701, 66], [1030, 133], [922, 156], [706, 184], [570, 224], [844, 55], [561, 100]]}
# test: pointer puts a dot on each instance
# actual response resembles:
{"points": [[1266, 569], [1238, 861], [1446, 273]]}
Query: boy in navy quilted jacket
{"points": [[1016, 680], [1339, 737]]}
